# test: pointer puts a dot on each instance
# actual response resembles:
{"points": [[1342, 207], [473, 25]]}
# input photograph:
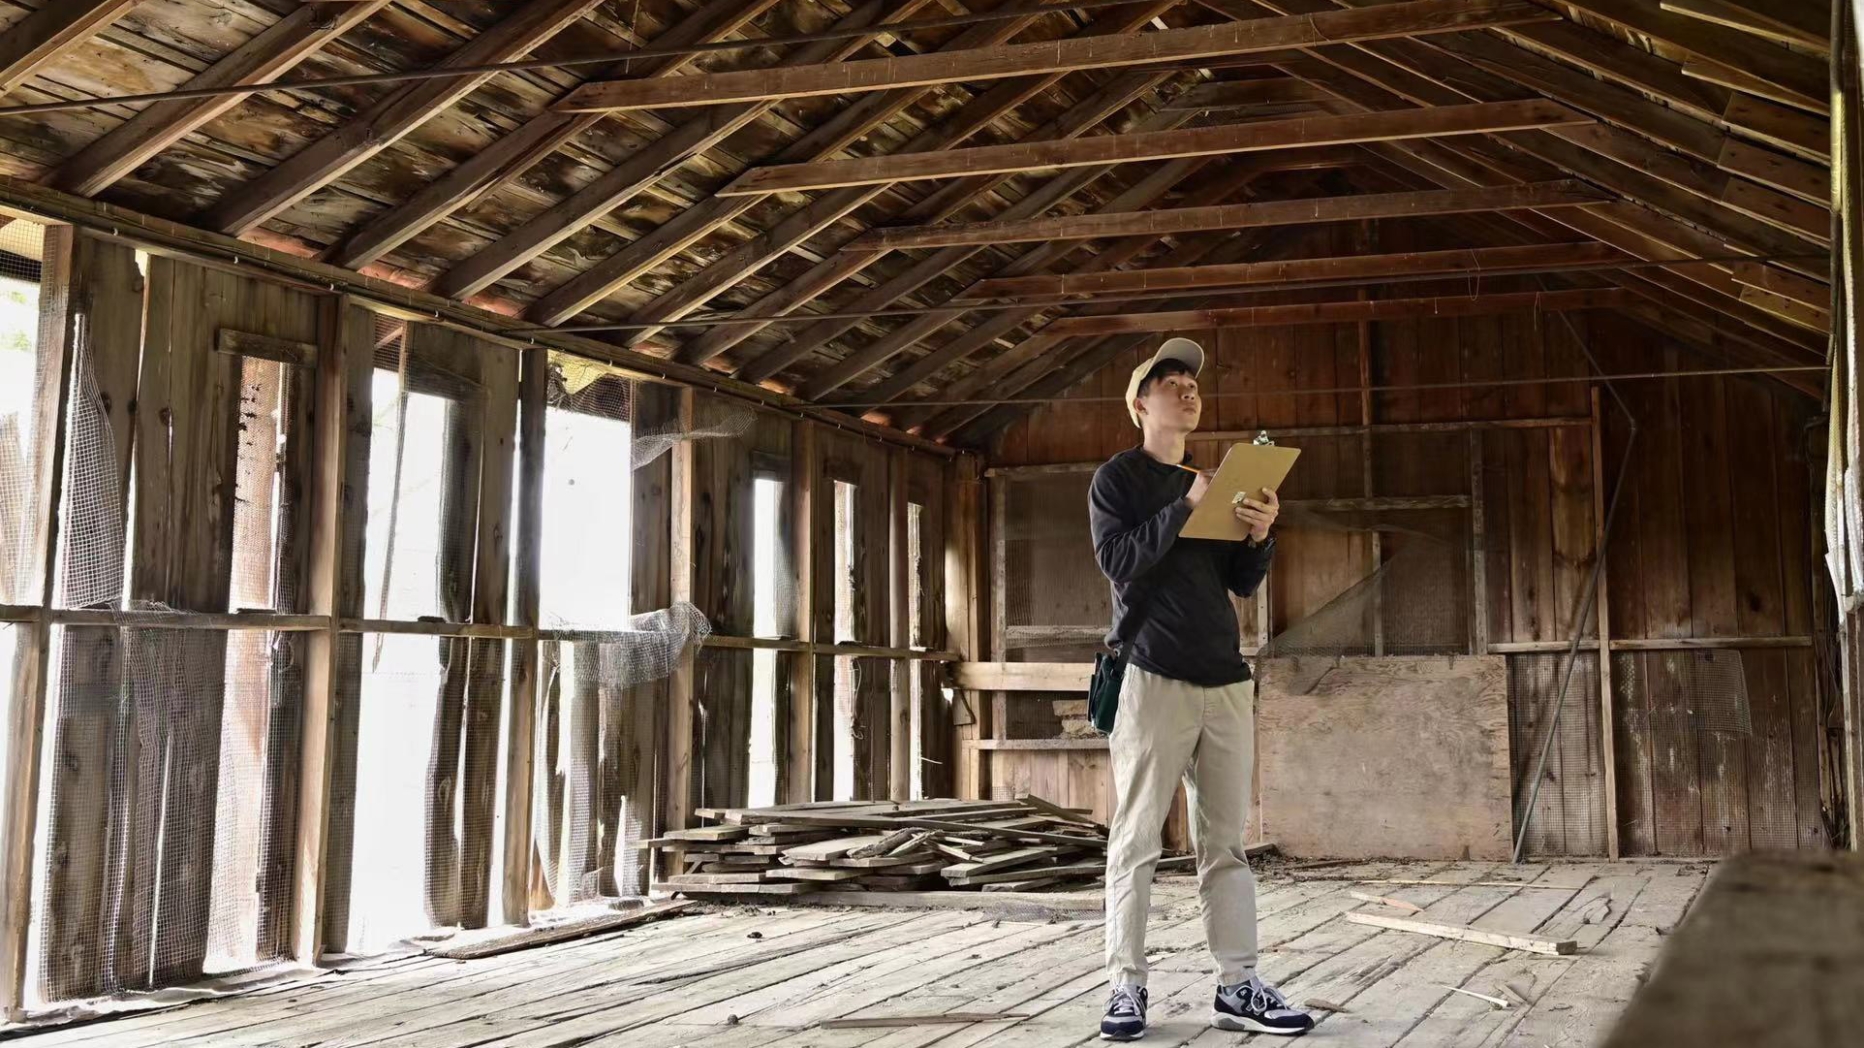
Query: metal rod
{"points": [[621, 57], [992, 304], [1334, 390]]}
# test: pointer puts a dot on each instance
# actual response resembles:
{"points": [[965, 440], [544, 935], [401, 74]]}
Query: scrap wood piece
{"points": [[883, 846], [919, 840], [1529, 943], [703, 833], [823, 851], [1397, 904], [873, 822], [878, 1021], [505, 941], [760, 888], [812, 874], [881, 862], [741, 877], [1322, 1005], [1007, 860], [1496, 1001], [1059, 812], [1349, 878], [1515, 990]]}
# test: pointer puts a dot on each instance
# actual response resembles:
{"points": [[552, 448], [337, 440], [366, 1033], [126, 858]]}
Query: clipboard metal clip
{"points": [[1262, 439]]}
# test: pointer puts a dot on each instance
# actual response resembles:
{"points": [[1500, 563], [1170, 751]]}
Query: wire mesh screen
{"points": [[1684, 690], [1052, 592], [1415, 602], [21, 373], [595, 763], [167, 847], [92, 535]]}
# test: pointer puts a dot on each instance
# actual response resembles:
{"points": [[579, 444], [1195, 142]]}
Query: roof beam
{"points": [[1301, 132], [1799, 79], [821, 332], [1385, 76], [1348, 312], [264, 58], [1806, 23], [1564, 193], [1051, 56], [543, 134], [1243, 94], [988, 330], [383, 123], [1481, 261], [749, 257], [633, 260], [34, 41]]}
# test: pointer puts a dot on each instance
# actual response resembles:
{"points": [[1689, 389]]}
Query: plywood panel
{"points": [[1401, 757]]}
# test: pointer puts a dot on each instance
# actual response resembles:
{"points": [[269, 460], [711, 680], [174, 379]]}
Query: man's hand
{"points": [[1198, 488], [1258, 514]]}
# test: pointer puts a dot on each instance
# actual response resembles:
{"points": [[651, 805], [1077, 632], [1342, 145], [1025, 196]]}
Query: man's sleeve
{"points": [[1248, 566], [1126, 549]]}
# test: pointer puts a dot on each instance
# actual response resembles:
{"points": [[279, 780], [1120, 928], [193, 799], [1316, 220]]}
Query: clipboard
{"points": [[1246, 468]]}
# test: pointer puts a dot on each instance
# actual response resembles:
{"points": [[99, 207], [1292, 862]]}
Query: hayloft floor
{"points": [[772, 977]]}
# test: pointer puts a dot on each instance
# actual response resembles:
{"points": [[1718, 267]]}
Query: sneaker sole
{"points": [[1105, 1036], [1240, 1024]]}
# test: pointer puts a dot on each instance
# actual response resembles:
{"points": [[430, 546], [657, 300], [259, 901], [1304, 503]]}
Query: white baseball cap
{"points": [[1180, 349]]}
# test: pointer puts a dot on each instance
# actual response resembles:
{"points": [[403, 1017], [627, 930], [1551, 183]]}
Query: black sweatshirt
{"points": [[1184, 626]]}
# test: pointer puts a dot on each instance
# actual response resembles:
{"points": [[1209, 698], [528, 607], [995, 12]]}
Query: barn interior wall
{"points": [[295, 748], [1713, 544]]}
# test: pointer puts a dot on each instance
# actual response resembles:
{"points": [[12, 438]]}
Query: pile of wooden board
{"points": [[1026, 844]]}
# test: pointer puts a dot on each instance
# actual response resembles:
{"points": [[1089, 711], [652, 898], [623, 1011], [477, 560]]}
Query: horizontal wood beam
{"points": [[1239, 94], [1536, 195], [1801, 78], [32, 42], [1052, 56], [1339, 312], [1806, 23], [1486, 260], [1300, 132]]}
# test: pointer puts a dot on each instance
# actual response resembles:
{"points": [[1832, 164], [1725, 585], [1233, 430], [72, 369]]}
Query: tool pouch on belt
{"points": [[1103, 690]]}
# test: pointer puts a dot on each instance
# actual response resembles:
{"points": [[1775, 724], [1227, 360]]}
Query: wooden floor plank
{"points": [[701, 981]]}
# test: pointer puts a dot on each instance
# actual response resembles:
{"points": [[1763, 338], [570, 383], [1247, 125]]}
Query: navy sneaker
{"points": [[1256, 1007], [1126, 1014]]}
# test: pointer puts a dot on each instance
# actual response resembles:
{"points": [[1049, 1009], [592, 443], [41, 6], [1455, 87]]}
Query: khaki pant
{"points": [[1166, 729]]}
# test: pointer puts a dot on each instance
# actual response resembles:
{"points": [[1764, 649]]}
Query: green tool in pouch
{"points": [[1103, 690]]}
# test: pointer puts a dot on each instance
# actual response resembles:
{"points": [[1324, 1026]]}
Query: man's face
{"points": [[1170, 404]]}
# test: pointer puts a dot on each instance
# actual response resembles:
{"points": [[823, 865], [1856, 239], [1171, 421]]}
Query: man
{"points": [[1187, 705]]}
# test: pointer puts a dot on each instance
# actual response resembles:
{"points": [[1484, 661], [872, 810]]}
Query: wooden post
{"points": [[1602, 607], [1365, 465], [999, 600], [678, 780], [19, 819], [900, 720], [1478, 552], [345, 330], [533, 384], [800, 757], [964, 617]]}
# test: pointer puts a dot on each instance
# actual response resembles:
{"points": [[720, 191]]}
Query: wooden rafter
{"points": [[635, 259], [1047, 57], [1806, 23], [264, 58], [1230, 181], [1562, 193], [1300, 132], [802, 342], [1349, 312], [625, 180], [1141, 193], [1390, 75], [787, 233], [383, 123], [1799, 80], [544, 133], [40, 37], [1527, 258]]}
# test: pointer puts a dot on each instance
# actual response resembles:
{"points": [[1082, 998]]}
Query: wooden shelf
{"points": [[1042, 744]]}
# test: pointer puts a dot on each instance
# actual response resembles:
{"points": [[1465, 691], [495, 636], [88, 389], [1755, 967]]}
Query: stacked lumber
{"points": [[1022, 845]]}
